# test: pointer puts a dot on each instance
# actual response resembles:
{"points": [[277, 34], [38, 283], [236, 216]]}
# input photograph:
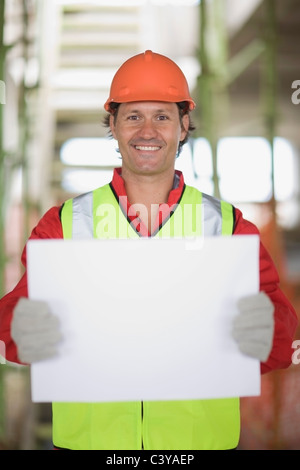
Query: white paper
{"points": [[144, 319]]}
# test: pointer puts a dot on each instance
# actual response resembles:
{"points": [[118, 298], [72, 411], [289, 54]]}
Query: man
{"points": [[149, 115]]}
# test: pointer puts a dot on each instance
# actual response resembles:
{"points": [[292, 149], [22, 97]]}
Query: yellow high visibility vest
{"points": [[154, 425]]}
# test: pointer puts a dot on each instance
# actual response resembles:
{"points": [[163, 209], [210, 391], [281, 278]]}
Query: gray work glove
{"points": [[253, 328], [34, 330]]}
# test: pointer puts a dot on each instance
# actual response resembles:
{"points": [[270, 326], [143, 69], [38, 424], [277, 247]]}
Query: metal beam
{"points": [[243, 59], [2, 152], [2, 194], [269, 84], [212, 86]]}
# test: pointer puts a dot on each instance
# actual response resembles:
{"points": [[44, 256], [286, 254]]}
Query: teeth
{"points": [[140, 147]]}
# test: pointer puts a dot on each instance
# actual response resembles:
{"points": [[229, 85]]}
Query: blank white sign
{"points": [[144, 319]]}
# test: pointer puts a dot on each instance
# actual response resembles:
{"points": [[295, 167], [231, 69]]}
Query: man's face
{"points": [[148, 134]]}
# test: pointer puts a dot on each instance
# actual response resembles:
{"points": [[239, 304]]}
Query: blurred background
{"points": [[241, 58]]}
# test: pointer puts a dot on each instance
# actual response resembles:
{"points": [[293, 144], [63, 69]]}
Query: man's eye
{"points": [[133, 117], [162, 117]]}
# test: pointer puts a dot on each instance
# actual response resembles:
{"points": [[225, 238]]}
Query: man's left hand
{"points": [[253, 327]]}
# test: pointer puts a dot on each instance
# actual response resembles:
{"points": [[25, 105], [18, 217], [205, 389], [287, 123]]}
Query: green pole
{"points": [[213, 78], [270, 112], [24, 126], [2, 202], [206, 80], [270, 85], [2, 153]]}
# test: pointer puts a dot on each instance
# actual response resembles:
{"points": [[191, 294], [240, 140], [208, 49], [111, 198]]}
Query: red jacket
{"points": [[285, 316]]}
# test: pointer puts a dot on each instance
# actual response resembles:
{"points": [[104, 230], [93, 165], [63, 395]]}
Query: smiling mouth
{"points": [[146, 148]]}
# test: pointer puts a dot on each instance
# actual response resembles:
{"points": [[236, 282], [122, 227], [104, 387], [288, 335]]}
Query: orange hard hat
{"points": [[149, 77]]}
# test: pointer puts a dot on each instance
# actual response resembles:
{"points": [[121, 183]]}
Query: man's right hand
{"points": [[35, 330]]}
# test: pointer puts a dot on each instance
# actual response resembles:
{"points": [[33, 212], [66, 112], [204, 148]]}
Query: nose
{"points": [[148, 129]]}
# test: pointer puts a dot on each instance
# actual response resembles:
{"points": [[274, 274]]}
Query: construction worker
{"points": [[149, 116]]}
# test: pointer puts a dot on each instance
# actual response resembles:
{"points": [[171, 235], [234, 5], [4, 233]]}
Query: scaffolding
{"points": [[12, 161], [218, 73]]}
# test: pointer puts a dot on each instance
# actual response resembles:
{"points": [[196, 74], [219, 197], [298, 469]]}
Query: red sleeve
{"points": [[48, 227], [286, 320]]}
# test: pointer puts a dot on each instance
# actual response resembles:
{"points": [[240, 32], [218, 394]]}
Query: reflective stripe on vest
{"points": [[98, 214], [174, 425]]}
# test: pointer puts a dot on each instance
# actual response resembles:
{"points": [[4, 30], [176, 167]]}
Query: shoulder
{"points": [[49, 226], [242, 225]]}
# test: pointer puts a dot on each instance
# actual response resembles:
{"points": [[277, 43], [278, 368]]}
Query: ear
{"points": [[112, 126], [185, 126]]}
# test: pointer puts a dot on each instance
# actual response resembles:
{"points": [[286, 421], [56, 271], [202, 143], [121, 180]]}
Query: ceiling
{"points": [[93, 40], [82, 43]]}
